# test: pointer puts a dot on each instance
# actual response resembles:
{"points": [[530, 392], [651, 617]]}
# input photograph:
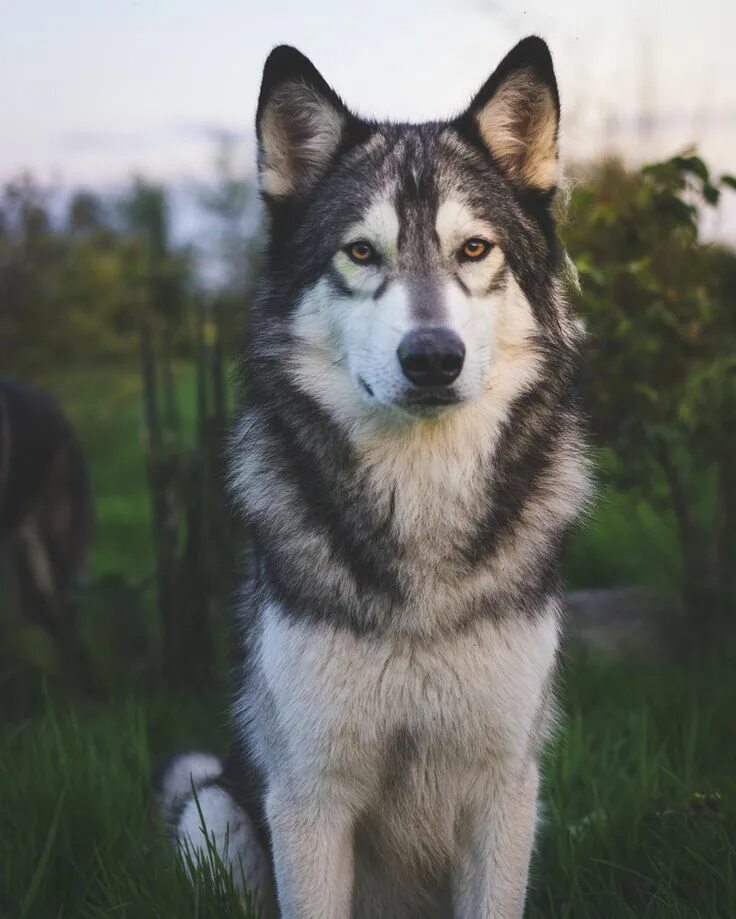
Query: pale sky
{"points": [[95, 90]]}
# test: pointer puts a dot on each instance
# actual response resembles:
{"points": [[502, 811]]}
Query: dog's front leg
{"points": [[490, 877], [312, 837]]}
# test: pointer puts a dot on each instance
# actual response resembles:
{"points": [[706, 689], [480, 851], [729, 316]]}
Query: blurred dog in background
{"points": [[46, 505]]}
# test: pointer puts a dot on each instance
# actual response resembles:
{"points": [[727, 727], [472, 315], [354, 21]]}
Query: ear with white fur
{"points": [[517, 115], [299, 124]]}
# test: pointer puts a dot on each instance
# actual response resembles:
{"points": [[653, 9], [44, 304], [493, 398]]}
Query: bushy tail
{"points": [[176, 779], [194, 799]]}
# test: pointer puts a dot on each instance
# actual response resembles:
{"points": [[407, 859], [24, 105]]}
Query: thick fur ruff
{"points": [[398, 629]]}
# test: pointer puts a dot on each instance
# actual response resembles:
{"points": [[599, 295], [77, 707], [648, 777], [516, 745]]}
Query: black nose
{"points": [[431, 357]]}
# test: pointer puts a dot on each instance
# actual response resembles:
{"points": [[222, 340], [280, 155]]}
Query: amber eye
{"points": [[361, 252], [475, 249]]}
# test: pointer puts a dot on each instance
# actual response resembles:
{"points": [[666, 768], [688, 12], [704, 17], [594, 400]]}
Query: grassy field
{"points": [[639, 787]]}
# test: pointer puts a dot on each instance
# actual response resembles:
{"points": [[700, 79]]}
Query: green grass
{"points": [[641, 818], [626, 833], [78, 834]]}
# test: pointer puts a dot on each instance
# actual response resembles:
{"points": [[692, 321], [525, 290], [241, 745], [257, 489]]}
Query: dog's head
{"points": [[406, 258]]}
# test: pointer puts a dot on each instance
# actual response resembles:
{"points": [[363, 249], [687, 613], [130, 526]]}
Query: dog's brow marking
{"points": [[379, 226], [456, 222]]}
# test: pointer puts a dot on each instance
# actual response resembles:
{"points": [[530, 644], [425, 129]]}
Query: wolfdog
{"points": [[409, 460]]}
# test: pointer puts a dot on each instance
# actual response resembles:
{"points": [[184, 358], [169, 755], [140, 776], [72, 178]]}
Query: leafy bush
{"points": [[660, 309]]}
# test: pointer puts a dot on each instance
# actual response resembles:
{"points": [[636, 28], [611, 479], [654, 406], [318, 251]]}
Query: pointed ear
{"points": [[299, 124], [517, 115]]}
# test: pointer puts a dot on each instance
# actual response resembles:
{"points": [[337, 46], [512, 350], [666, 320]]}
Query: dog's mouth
{"points": [[431, 398], [419, 402], [429, 403]]}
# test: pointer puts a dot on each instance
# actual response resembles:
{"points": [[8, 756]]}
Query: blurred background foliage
{"points": [[660, 309]]}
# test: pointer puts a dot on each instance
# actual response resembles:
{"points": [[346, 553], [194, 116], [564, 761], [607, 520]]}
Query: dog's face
{"points": [[409, 254]]}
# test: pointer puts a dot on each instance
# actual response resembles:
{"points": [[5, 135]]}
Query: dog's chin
{"points": [[426, 411]]}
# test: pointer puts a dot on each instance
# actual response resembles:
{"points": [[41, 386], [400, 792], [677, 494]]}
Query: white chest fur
{"points": [[339, 699]]}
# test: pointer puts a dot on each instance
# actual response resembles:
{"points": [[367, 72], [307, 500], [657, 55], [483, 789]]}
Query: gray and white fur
{"points": [[409, 460]]}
